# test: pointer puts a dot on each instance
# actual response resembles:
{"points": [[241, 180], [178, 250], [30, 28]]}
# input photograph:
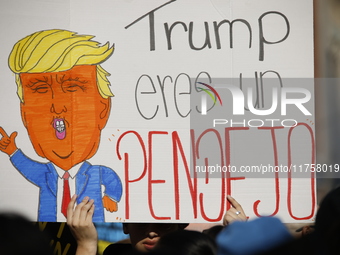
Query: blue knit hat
{"points": [[252, 237]]}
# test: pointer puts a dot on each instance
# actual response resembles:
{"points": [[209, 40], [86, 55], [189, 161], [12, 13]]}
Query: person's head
{"points": [[64, 93], [186, 242], [144, 236], [253, 237], [214, 231], [19, 236], [327, 222]]}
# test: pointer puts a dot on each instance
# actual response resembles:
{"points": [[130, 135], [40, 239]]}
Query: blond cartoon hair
{"points": [[59, 50]]}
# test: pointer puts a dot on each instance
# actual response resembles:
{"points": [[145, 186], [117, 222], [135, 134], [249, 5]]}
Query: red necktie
{"points": [[66, 194]]}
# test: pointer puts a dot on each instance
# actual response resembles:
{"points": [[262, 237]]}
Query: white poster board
{"points": [[160, 47]]}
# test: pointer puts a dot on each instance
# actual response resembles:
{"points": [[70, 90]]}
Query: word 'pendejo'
{"points": [[144, 171]]}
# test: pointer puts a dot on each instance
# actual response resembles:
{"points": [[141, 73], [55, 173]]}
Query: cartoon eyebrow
{"points": [[72, 79], [210, 88]]}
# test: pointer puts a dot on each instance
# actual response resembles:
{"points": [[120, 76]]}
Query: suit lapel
{"points": [[52, 179], [82, 178]]}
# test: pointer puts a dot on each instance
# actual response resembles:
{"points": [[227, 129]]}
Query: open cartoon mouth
{"points": [[60, 129]]}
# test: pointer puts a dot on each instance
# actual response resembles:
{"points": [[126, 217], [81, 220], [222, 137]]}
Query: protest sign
{"points": [[210, 98]]}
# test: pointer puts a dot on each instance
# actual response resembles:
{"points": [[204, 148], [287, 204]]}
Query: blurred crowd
{"points": [[237, 235]]}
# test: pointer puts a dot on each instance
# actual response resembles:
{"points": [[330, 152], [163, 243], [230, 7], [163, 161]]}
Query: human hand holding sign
{"points": [[235, 213], [7, 143], [79, 220]]}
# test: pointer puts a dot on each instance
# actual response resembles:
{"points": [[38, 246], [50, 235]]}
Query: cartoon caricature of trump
{"points": [[65, 103]]}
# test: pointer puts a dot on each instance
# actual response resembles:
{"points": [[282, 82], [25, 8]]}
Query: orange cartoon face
{"points": [[64, 114]]}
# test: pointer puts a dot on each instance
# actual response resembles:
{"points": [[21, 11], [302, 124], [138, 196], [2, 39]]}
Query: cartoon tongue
{"points": [[59, 127]]}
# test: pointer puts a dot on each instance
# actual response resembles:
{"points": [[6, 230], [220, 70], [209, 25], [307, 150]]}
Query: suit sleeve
{"points": [[112, 183], [32, 170]]}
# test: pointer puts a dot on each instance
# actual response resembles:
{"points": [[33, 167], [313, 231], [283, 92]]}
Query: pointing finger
{"points": [[235, 204], [3, 133]]}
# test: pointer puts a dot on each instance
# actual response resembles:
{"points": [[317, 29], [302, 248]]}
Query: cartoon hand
{"points": [[7, 143], [235, 213], [109, 204]]}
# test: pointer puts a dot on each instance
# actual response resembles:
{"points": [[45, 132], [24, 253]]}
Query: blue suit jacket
{"points": [[88, 183]]}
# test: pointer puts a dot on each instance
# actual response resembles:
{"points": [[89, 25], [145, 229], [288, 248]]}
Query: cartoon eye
{"points": [[73, 87], [41, 89]]}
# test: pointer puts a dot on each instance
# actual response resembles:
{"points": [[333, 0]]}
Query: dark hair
{"points": [[19, 236], [325, 238], [327, 222], [186, 242], [213, 231]]}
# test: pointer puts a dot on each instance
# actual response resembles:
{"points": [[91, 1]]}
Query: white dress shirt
{"points": [[72, 183]]}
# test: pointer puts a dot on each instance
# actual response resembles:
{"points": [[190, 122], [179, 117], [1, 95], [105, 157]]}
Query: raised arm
{"points": [[7, 143], [79, 220]]}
